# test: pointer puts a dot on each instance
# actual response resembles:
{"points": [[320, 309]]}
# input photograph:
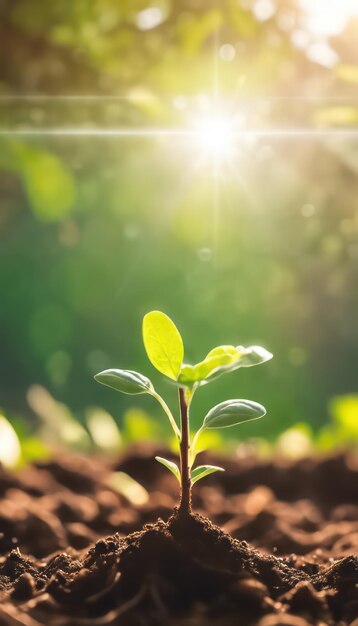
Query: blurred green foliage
{"points": [[95, 231], [20, 445]]}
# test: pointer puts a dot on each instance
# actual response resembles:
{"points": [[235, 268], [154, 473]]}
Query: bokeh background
{"points": [[95, 230]]}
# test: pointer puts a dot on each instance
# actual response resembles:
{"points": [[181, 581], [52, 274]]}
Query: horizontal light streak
{"points": [[143, 97], [175, 132]]}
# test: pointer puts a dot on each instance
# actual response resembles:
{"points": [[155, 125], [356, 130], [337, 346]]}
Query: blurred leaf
{"points": [[48, 182], [349, 73], [103, 429], [194, 29], [125, 381], [33, 449], [128, 487], [296, 442], [10, 449], [327, 438], [138, 425], [172, 467], [233, 412], [344, 410], [211, 439], [243, 20], [204, 470], [163, 343], [58, 424]]}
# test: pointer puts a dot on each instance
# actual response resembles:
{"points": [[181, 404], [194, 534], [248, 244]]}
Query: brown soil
{"points": [[299, 569]]}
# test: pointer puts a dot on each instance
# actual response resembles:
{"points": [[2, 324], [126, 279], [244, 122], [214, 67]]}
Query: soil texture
{"points": [[280, 549]]}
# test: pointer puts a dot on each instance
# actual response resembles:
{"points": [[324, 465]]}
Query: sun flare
{"points": [[215, 136]]}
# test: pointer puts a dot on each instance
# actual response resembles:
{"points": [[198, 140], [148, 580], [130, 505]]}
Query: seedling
{"points": [[165, 350]]}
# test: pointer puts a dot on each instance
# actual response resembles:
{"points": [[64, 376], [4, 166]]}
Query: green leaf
{"points": [[172, 467], [125, 381], [204, 470], [223, 355], [252, 355], [48, 182], [221, 360], [232, 412], [163, 343]]}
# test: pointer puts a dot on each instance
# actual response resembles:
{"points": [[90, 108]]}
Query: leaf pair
{"points": [[165, 350], [196, 474], [223, 415]]}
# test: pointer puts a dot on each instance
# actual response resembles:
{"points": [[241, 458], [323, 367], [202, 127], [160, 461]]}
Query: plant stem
{"points": [[168, 412], [185, 501]]}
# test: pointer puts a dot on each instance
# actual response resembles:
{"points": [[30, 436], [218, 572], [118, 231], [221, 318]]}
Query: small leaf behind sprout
{"points": [[223, 355], [204, 470], [172, 467], [232, 412], [220, 360], [125, 381]]}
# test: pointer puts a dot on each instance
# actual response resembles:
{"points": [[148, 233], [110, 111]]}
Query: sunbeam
{"points": [[216, 140]]}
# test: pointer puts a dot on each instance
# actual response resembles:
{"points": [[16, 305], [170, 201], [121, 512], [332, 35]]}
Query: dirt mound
{"points": [[177, 568], [182, 571]]}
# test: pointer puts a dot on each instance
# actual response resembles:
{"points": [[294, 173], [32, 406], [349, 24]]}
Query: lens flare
{"points": [[215, 136]]}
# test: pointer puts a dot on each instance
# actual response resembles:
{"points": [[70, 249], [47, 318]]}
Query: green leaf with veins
{"points": [[163, 343], [221, 360], [134, 383], [223, 355], [172, 467], [204, 470], [125, 381], [233, 412]]}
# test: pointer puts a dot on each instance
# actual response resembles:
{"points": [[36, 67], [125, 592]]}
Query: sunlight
{"points": [[325, 18], [215, 137], [216, 132]]}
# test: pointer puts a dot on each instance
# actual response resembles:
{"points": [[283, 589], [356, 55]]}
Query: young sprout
{"points": [[165, 350]]}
